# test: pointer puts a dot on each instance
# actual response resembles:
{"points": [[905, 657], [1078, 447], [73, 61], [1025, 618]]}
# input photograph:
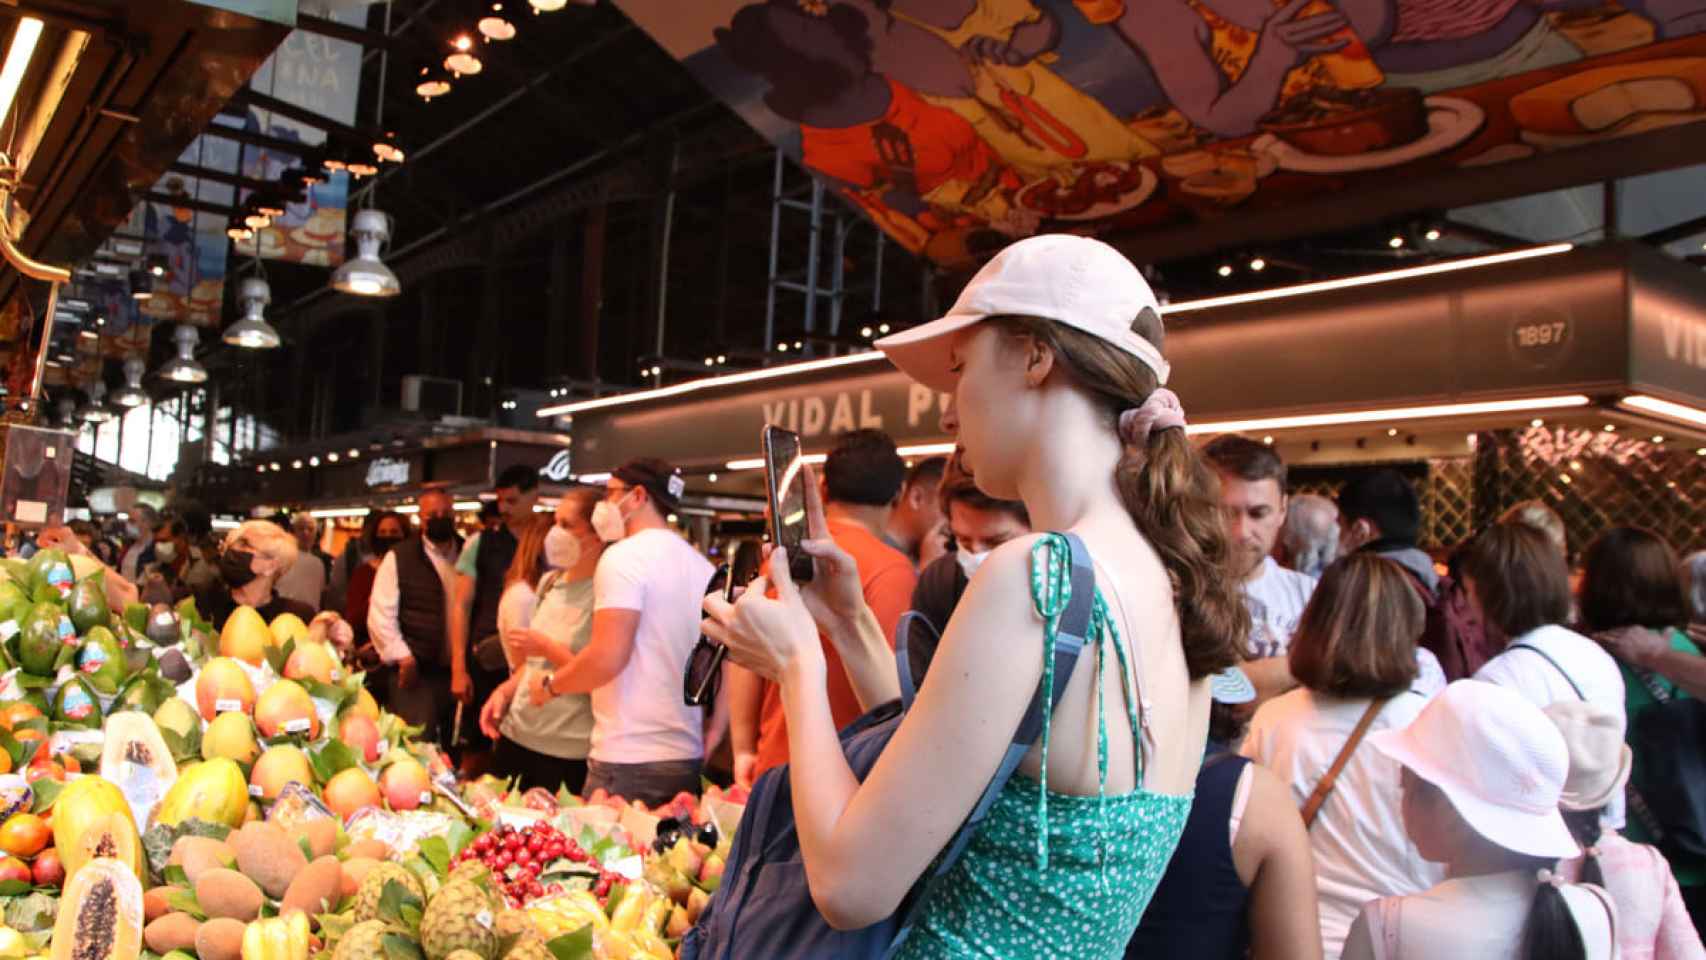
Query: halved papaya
{"points": [[135, 758], [112, 837], [87, 804], [100, 914]]}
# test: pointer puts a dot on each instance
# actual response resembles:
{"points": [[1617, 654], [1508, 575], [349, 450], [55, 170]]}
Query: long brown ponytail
{"points": [[1172, 494]]}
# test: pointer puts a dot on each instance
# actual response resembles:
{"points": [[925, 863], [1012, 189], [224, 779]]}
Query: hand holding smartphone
{"points": [[784, 481]]}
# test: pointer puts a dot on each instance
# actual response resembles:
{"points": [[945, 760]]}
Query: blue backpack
{"points": [[764, 907]]}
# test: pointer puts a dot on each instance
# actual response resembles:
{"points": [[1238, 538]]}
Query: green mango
{"points": [[45, 629], [53, 568], [145, 693], [77, 705], [101, 661], [18, 571], [88, 604], [38, 698], [12, 597]]}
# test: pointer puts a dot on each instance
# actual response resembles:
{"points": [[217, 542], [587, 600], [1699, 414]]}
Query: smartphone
{"points": [[785, 480], [704, 672]]}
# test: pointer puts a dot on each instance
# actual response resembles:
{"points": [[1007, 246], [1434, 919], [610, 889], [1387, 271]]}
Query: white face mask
{"points": [[608, 522], [166, 552], [562, 549], [969, 562]]}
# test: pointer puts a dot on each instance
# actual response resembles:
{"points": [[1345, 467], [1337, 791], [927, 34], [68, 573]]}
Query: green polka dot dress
{"points": [[1050, 874]]}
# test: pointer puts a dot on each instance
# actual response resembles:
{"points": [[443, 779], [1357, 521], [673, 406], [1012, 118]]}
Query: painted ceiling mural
{"points": [[959, 124]]}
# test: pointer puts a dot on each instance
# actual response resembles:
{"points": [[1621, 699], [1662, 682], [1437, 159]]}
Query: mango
{"points": [[278, 766], [224, 687], [405, 785], [361, 734], [288, 626], [213, 791], [286, 708], [365, 705], [349, 791], [231, 736], [311, 661], [245, 636]]}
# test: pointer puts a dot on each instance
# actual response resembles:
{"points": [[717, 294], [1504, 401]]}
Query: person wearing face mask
{"points": [[253, 558], [408, 619], [646, 743], [179, 569], [979, 523], [144, 520], [545, 618], [383, 532]]}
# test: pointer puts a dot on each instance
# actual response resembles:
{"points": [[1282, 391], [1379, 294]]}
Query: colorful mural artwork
{"points": [[957, 125]]}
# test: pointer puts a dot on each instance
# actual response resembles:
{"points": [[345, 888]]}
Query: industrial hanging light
{"points": [[253, 332], [95, 409], [183, 368], [387, 150], [367, 275], [132, 394], [239, 231], [495, 27], [67, 410], [463, 63], [547, 6]]}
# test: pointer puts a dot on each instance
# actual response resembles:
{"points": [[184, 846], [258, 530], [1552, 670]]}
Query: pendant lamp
{"points": [[367, 275], [183, 368], [253, 332], [132, 394], [95, 409]]}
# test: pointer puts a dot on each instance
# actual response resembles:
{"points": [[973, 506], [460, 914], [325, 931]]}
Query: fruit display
{"points": [[169, 792]]}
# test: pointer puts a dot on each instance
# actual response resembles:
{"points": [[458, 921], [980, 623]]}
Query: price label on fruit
{"points": [[227, 706], [298, 725]]}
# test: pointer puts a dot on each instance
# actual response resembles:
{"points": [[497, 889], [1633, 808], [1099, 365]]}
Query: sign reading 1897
{"points": [[1539, 336]]}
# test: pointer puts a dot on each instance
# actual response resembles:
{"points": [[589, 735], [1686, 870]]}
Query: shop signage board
{"points": [[1559, 324], [956, 127], [388, 472]]}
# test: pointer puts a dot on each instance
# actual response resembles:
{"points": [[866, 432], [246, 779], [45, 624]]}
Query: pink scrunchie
{"points": [[1160, 411]]}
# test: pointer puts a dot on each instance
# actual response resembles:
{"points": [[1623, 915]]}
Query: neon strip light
{"points": [[338, 512], [1389, 414], [1665, 408], [693, 386], [17, 61]]}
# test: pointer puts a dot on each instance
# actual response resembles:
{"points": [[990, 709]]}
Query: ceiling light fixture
{"points": [[496, 28], [24, 40], [256, 220], [1392, 413], [95, 409], [1665, 408], [1225, 270], [132, 394], [546, 6], [1396, 243], [184, 368], [1433, 235], [253, 332], [367, 275], [463, 63], [1257, 264], [432, 87], [239, 231], [361, 168], [387, 149]]}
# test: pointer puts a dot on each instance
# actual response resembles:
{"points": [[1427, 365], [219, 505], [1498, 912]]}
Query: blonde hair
{"points": [[269, 540], [1533, 513]]}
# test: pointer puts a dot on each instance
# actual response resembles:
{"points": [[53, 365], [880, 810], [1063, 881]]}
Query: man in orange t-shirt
{"points": [[862, 479]]}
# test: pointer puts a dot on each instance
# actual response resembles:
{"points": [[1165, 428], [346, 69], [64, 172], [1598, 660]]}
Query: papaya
{"points": [[135, 758], [85, 803], [111, 837], [213, 790], [40, 637], [102, 661], [76, 705], [87, 604], [100, 914], [52, 568]]}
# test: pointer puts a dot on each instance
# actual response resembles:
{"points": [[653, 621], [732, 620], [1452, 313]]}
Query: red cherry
{"points": [[601, 889], [577, 855]]}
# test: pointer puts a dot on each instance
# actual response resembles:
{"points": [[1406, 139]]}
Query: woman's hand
{"points": [[497, 705], [835, 597], [774, 638], [1633, 645], [529, 642], [540, 688], [328, 626]]}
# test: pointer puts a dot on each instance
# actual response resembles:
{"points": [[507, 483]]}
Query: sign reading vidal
{"points": [[956, 125]]}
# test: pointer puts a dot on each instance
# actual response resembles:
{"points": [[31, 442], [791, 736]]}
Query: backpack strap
{"points": [[1312, 807], [902, 658], [1070, 638], [1548, 658]]}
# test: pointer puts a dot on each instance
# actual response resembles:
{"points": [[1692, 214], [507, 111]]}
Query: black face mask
{"points": [[237, 567], [441, 529], [385, 545]]}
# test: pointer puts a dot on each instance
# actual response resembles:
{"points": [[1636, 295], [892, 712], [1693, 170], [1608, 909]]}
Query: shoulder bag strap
{"points": [[1070, 638], [1312, 807], [902, 656], [1604, 899], [1548, 658]]}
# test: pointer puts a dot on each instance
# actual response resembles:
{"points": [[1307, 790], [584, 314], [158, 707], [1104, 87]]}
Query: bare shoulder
{"points": [[1271, 822]]}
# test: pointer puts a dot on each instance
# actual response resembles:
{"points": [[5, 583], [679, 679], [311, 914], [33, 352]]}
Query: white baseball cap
{"points": [[1498, 758], [1074, 280]]}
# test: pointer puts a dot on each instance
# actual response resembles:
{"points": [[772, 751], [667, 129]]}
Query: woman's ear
{"points": [[1039, 362]]}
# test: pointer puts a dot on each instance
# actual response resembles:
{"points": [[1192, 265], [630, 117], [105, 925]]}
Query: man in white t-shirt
{"points": [[646, 742], [1252, 493]]}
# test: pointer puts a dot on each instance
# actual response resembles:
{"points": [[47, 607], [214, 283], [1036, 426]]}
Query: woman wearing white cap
{"points": [[1484, 771], [1652, 919], [1053, 355]]}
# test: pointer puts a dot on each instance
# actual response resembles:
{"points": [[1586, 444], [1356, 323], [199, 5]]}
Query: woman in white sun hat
{"points": [[1484, 771], [1653, 921], [1053, 355]]}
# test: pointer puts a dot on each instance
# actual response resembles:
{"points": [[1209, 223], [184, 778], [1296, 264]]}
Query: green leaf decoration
{"points": [[46, 792], [411, 915], [334, 925], [399, 947], [333, 694], [617, 892], [277, 657], [564, 797], [307, 848], [180, 746], [32, 681], [332, 759], [393, 899], [437, 853], [185, 901], [14, 888], [136, 616], [158, 840], [573, 946], [175, 875]]}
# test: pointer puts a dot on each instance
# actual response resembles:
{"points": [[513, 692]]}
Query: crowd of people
{"points": [[1296, 732]]}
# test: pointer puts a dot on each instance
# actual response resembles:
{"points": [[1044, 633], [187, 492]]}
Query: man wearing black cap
{"points": [[646, 743]]}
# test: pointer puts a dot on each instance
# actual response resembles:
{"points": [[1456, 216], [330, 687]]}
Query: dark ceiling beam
{"points": [[220, 176], [419, 13], [178, 200], [253, 139], [1675, 232], [260, 101], [1486, 235], [360, 36]]}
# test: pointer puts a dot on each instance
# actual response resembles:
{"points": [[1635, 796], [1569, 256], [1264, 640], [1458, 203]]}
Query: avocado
{"points": [[12, 598], [38, 699], [53, 568], [162, 629], [174, 666], [40, 638], [77, 705], [101, 661], [88, 604]]}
